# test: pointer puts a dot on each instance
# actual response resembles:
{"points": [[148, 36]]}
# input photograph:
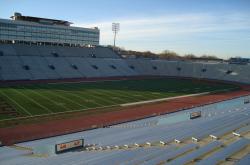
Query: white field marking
{"points": [[137, 94], [163, 99], [45, 97], [88, 81], [111, 95], [115, 98], [34, 101], [148, 95], [102, 98], [109, 106], [57, 113], [102, 81], [92, 81], [77, 94], [124, 94], [145, 95], [70, 100], [16, 103], [93, 95], [69, 93], [155, 93], [172, 91], [81, 92]]}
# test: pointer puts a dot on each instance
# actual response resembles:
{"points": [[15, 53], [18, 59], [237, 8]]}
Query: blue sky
{"points": [[212, 27]]}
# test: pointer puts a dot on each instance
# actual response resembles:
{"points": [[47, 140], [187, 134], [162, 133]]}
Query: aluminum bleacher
{"points": [[147, 156], [102, 52], [85, 67], [167, 156], [78, 62], [12, 68], [63, 67], [196, 153], [230, 127], [219, 124], [122, 67], [244, 161], [148, 143], [225, 153], [7, 50], [242, 130], [29, 50]]}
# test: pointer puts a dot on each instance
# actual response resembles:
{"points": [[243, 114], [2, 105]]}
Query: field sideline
{"points": [[40, 99]]}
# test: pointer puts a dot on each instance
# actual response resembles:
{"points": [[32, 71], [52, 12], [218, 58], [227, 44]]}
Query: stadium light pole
{"points": [[115, 29]]}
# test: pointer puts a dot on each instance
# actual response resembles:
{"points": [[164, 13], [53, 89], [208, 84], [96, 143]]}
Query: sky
{"points": [[201, 27]]}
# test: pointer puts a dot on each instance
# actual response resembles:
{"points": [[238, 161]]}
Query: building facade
{"points": [[46, 31]]}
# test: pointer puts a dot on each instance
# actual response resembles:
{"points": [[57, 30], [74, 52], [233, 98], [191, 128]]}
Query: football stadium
{"points": [[66, 99]]}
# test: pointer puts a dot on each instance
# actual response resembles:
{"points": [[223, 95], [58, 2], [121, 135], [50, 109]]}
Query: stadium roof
{"points": [[20, 17]]}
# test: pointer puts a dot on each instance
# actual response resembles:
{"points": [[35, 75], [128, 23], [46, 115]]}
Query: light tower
{"points": [[115, 29]]}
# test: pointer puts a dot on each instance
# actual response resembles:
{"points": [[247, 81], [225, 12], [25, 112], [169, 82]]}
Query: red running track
{"points": [[28, 132]]}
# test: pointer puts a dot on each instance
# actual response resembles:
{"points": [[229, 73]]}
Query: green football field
{"points": [[39, 99]]}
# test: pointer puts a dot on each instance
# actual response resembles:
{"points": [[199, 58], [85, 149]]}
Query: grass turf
{"points": [[39, 99]]}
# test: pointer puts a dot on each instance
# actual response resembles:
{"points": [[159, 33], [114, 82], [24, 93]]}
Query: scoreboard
{"points": [[62, 147]]}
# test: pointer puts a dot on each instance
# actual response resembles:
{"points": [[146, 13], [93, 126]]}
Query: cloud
{"points": [[177, 28]]}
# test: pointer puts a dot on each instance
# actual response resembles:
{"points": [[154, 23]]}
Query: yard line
{"points": [[78, 96], [70, 100], [129, 95], [108, 95], [122, 94], [64, 112], [74, 94], [111, 93], [98, 97], [101, 97], [141, 97], [87, 81], [34, 101], [172, 91], [20, 106], [45, 97]]}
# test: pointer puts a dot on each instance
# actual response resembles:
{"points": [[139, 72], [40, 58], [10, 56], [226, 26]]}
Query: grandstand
{"points": [[140, 142], [19, 62], [65, 63], [58, 91]]}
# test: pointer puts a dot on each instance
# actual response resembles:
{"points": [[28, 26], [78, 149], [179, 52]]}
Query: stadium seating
{"points": [[197, 153], [223, 154], [12, 68], [7, 49], [29, 62], [152, 130], [244, 161], [30, 50], [242, 130], [33, 62]]}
